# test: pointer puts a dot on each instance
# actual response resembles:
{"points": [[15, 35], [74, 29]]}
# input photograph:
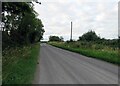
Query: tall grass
{"points": [[19, 64], [91, 50]]}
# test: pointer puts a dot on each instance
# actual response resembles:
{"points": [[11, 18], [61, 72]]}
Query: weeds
{"points": [[19, 64]]}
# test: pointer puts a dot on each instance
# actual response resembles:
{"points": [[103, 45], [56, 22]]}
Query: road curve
{"points": [[58, 66]]}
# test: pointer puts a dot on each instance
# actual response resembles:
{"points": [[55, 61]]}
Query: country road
{"points": [[58, 66]]}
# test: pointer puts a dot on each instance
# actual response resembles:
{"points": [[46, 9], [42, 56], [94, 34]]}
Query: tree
{"points": [[61, 38], [21, 21], [89, 36], [55, 38], [37, 33]]}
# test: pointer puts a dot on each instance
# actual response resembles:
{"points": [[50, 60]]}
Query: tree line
{"points": [[91, 37], [20, 24], [56, 38]]}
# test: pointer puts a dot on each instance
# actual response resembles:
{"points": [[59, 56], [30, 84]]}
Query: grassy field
{"points": [[19, 64], [95, 51]]}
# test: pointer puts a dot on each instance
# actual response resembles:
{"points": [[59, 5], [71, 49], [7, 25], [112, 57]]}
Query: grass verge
{"points": [[109, 56], [19, 64]]}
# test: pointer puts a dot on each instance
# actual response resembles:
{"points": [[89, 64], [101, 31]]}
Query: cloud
{"points": [[98, 15]]}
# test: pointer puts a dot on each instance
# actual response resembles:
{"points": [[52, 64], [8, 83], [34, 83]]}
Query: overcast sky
{"points": [[98, 15]]}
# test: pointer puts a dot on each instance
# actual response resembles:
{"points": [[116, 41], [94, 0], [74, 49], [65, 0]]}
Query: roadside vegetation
{"points": [[89, 44], [21, 34], [19, 64]]}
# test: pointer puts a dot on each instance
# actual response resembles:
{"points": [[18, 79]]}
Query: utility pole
{"points": [[71, 33]]}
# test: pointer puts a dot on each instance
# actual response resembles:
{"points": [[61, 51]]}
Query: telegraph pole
{"points": [[71, 33]]}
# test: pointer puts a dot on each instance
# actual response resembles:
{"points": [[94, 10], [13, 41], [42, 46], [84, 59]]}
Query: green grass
{"points": [[19, 64], [105, 55]]}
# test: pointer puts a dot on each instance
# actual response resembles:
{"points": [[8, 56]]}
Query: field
{"points": [[19, 64], [98, 51]]}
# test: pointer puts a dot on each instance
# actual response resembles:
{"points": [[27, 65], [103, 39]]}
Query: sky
{"points": [[100, 16]]}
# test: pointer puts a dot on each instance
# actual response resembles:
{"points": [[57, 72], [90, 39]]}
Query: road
{"points": [[58, 66]]}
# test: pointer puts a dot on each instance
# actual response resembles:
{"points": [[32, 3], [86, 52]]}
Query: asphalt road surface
{"points": [[58, 66]]}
